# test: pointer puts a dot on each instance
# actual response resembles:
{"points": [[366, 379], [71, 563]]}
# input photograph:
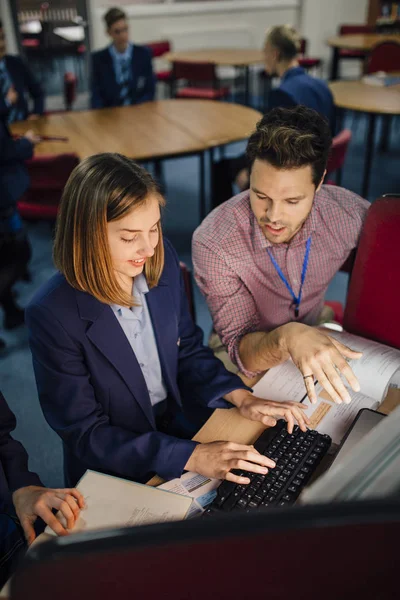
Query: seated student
{"points": [[264, 258], [23, 499], [17, 80], [14, 246], [281, 48], [116, 355], [122, 73]]}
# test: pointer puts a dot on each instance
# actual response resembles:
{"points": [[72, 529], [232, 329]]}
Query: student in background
{"points": [[264, 259], [120, 366], [15, 249], [122, 73], [25, 505], [281, 48], [16, 81]]}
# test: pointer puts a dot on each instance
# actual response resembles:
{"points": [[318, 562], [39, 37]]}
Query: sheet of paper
{"points": [[375, 368], [284, 382], [202, 489], [335, 419], [114, 502]]}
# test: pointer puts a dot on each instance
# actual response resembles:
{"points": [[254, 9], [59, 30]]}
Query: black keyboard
{"points": [[296, 455]]}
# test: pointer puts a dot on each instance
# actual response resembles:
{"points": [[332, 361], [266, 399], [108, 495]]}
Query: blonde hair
{"points": [[285, 39], [102, 188]]}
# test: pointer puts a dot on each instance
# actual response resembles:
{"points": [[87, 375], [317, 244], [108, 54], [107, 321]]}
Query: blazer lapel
{"points": [[166, 331], [108, 337]]}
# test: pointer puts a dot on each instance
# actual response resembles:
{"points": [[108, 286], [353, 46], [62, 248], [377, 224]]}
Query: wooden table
{"points": [[150, 131], [355, 42], [223, 57], [373, 100]]}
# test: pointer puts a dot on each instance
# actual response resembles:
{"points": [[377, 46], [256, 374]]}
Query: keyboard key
{"points": [[242, 503], [292, 488], [298, 481], [252, 504], [283, 478], [313, 455]]}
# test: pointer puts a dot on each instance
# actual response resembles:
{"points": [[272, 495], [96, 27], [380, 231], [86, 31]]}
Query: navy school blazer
{"points": [[105, 91], [14, 472], [23, 81], [92, 390]]}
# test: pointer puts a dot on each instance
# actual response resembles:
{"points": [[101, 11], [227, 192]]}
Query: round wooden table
{"points": [[359, 41], [372, 100], [150, 131], [223, 57]]}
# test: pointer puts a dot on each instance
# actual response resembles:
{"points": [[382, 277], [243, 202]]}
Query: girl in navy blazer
{"points": [[93, 386]]}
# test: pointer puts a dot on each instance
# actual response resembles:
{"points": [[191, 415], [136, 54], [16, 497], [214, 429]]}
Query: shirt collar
{"points": [[139, 289], [127, 54]]}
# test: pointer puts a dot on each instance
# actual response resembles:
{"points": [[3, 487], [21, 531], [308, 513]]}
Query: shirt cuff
{"points": [[233, 351]]}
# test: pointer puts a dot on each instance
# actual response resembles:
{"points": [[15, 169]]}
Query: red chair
{"points": [[188, 283], [305, 61], [158, 49], [372, 307], [384, 57], [355, 29], [194, 73], [340, 144], [48, 174]]}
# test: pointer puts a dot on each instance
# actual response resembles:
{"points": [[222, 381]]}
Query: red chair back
{"points": [[159, 48], [384, 57], [303, 47], [340, 144], [372, 307], [201, 72], [348, 29], [188, 283], [48, 174]]}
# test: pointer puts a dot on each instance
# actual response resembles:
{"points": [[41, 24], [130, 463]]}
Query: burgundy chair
{"points": [[340, 144], [158, 49], [305, 61], [188, 283], [372, 307], [384, 57], [354, 29], [201, 78], [48, 174]]}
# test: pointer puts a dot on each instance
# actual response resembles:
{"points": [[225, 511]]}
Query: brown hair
{"points": [[290, 138], [113, 15], [102, 188], [286, 40]]}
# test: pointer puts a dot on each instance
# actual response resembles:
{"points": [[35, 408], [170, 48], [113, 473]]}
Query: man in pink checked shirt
{"points": [[264, 258]]}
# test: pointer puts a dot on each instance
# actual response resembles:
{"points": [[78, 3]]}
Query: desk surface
{"points": [[361, 41], [359, 96], [151, 130], [219, 56]]}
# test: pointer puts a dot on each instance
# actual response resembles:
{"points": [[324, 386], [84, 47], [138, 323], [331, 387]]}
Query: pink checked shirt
{"points": [[242, 288]]}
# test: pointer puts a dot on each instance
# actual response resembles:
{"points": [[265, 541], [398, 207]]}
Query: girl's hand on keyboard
{"points": [[217, 459], [267, 411]]}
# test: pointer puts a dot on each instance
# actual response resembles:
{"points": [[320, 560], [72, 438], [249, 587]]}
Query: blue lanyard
{"points": [[297, 299]]}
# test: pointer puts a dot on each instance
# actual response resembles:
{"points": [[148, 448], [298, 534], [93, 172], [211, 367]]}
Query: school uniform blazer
{"points": [[14, 472], [24, 82], [92, 390], [14, 177], [105, 91]]}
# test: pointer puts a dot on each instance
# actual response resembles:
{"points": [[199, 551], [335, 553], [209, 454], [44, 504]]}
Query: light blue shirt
{"points": [[138, 328], [118, 58]]}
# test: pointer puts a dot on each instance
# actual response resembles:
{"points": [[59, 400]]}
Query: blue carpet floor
{"points": [[180, 219]]}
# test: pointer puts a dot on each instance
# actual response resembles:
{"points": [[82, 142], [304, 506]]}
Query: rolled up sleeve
{"points": [[230, 302]]}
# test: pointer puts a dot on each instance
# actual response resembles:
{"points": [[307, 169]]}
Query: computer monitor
{"points": [[371, 470]]}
